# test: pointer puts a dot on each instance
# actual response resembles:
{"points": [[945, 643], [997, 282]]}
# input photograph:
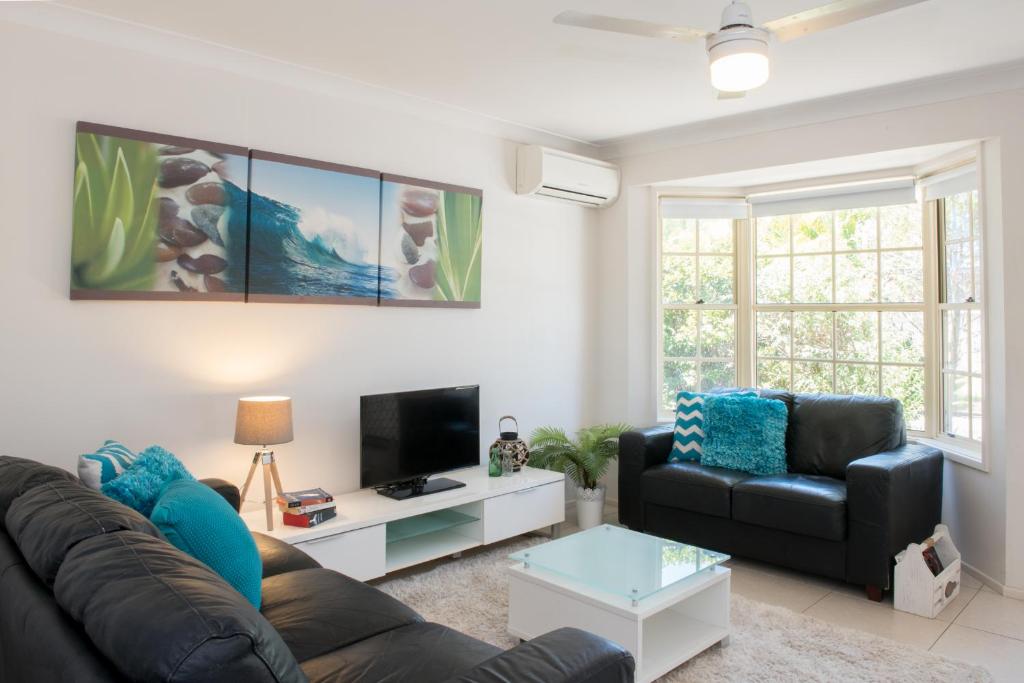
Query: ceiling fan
{"points": [[738, 51]]}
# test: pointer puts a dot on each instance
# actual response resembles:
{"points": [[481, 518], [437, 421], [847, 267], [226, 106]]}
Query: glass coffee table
{"points": [[663, 601]]}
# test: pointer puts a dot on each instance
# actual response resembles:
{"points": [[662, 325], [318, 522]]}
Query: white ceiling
{"points": [[505, 59]]}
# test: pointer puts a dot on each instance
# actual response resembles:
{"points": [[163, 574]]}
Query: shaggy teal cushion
{"points": [[140, 485], [745, 433], [197, 520], [688, 440]]}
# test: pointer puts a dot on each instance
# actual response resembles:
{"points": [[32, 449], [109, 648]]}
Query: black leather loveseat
{"points": [[90, 592], [855, 495]]}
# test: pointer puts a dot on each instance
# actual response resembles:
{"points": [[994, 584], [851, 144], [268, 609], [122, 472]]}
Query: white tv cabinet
{"points": [[373, 535]]}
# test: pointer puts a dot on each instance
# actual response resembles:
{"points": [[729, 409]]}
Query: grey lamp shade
{"points": [[263, 420]]}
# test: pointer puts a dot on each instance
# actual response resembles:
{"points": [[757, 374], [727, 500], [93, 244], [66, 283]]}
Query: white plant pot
{"points": [[589, 507]]}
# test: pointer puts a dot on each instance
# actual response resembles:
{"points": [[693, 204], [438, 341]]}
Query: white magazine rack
{"points": [[918, 590]]}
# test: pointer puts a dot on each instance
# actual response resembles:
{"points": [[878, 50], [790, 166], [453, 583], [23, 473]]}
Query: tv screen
{"points": [[418, 433]]}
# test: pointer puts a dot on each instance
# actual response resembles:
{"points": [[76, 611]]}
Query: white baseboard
{"points": [[1009, 591]]}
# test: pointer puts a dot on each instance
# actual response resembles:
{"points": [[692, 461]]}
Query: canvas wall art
{"points": [[314, 231], [431, 244], [157, 217]]}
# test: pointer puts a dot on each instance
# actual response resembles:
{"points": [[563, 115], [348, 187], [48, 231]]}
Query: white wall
{"points": [[985, 510], [75, 373]]}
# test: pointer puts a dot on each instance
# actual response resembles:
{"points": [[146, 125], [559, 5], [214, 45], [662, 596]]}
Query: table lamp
{"points": [[264, 421]]}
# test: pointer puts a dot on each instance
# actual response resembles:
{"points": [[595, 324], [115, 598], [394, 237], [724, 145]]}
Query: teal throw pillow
{"points": [[745, 433], [198, 521], [106, 463], [140, 485], [688, 440]]}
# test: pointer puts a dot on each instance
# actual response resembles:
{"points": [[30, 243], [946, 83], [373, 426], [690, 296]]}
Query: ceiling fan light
{"points": [[739, 65]]}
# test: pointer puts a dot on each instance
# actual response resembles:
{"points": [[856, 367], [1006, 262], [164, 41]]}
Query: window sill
{"points": [[962, 455]]}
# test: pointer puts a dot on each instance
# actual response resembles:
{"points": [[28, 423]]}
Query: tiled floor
{"points": [[980, 626]]}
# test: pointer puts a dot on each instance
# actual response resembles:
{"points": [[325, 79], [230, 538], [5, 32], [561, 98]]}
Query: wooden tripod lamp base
{"points": [[263, 421], [269, 473]]}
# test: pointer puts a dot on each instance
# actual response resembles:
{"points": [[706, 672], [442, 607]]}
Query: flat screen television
{"points": [[407, 436]]}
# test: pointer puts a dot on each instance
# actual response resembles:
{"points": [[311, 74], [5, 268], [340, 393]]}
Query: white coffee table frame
{"points": [[662, 631]]}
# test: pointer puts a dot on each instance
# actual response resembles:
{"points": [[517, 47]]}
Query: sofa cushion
{"points": [[828, 431], [422, 652], [279, 557], [196, 519], [803, 504], [160, 615], [688, 438], [18, 475], [691, 486], [47, 521], [319, 610]]}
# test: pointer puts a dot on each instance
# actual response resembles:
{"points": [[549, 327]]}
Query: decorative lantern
{"points": [[510, 444]]}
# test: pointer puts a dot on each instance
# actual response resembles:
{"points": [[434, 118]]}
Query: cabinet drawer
{"points": [[516, 513], [359, 554]]}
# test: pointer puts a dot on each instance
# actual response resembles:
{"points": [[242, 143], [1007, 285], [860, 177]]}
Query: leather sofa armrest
{"points": [[893, 498], [279, 557], [638, 450], [227, 490], [564, 655]]}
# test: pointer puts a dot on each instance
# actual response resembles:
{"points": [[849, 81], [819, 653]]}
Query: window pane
{"points": [[772, 235], [812, 279], [857, 336], [773, 280], [957, 269], [717, 334], [976, 408], [857, 278], [679, 376], [976, 343], [773, 374], [716, 236], [716, 279], [956, 405], [900, 226], [957, 221], [812, 335], [902, 277], [679, 279], [856, 379], [812, 232], [714, 375], [679, 234], [907, 385], [955, 340], [680, 333], [856, 229], [773, 336], [812, 377], [902, 337]]}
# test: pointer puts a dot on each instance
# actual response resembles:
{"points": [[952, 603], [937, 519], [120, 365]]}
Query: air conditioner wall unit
{"points": [[570, 177]]}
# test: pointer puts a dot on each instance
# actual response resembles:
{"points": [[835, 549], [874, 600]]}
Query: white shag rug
{"points": [[768, 643]]}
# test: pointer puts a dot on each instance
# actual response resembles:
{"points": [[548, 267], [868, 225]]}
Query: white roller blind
{"points": [[955, 181], [701, 207], [882, 193]]}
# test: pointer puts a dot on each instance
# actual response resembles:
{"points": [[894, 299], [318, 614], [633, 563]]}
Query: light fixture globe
{"points": [[738, 59]]}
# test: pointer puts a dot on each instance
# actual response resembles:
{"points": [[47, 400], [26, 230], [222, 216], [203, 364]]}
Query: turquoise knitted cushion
{"points": [[109, 460], [745, 433], [688, 440], [141, 484], [197, 520]]}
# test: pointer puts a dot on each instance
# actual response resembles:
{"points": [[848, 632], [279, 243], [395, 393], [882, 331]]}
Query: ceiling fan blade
{"points": [[723, 95], [634, 27], [828, 16]]}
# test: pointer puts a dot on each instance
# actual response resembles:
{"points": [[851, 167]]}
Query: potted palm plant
{"points": [[583, 460]]}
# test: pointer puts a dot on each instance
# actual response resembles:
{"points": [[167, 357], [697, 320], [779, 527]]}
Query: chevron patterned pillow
{"points": [[688, 440]]}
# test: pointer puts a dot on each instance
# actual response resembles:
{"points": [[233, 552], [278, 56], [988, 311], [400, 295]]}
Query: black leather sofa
{"points": [[855, 494], [90, 591]]}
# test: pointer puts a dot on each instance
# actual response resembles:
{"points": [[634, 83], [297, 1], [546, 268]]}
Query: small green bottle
{"points": [[494, 464]]}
